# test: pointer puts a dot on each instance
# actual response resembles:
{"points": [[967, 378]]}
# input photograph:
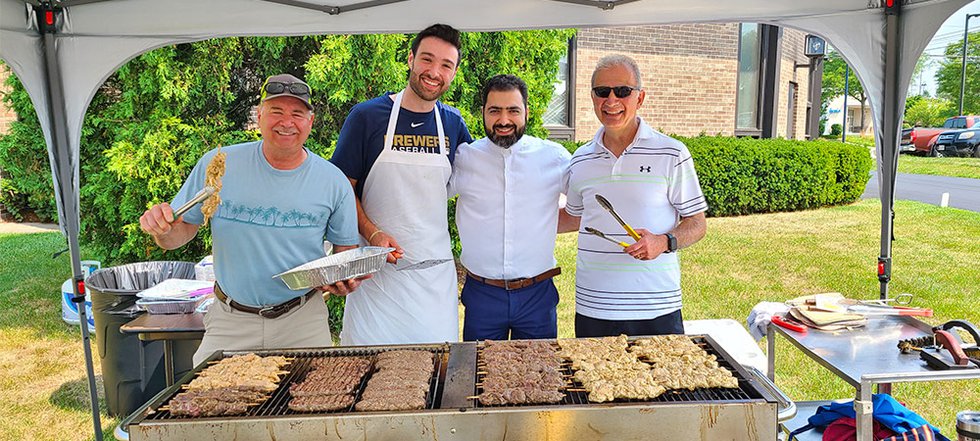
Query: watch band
{"points": [[671, 242]]}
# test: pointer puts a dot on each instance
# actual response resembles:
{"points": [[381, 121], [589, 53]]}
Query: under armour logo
{"points": [[645, 168]]}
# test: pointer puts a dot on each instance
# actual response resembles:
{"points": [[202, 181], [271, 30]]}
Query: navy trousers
{"points": [[494, 313]]}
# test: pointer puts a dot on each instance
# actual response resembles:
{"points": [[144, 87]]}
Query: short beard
{"points": [[414, 81], [505, 141]]}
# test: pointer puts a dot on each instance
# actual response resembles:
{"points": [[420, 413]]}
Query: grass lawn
{"points": [[742, 261], [924, 165]]}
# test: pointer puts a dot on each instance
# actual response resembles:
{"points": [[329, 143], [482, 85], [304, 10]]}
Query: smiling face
{"points": [[433, 67], [284, 123], [617, 115], [504, 117]]}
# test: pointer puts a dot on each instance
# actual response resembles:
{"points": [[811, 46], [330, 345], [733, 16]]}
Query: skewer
{"points": [[473, 397]]}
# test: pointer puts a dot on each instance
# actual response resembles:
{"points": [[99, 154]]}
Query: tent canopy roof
{"points": [[62, 71]]}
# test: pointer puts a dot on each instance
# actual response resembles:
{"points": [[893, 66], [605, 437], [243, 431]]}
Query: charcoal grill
{"points": [[747, 413]]}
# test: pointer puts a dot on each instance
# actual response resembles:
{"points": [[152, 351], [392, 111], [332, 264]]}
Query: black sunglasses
{"points": [[620, 91], [275, 87]]}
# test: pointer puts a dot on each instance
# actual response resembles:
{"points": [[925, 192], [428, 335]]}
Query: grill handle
{"points": [[787, 407]]}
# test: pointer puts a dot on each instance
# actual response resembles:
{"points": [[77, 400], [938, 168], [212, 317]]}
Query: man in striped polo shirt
{"points": [[649, 179]]}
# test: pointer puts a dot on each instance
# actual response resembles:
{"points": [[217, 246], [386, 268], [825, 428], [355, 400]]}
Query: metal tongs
{"points": [[901, 299], [605, 204], [201, 196], [423, 264], [596, 232], [884, 307]]}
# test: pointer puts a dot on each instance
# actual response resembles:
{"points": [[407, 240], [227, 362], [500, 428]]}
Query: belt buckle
{"points": [[516, 283], [271, 312]]}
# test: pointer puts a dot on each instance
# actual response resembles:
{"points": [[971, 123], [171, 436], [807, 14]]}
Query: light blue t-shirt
{"points": [[271, 220]]}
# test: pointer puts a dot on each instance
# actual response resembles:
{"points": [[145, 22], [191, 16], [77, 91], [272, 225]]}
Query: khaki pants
{"points": [[306, 326]]}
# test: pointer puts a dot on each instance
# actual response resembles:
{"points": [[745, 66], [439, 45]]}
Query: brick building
{"points": [[7, 115], [727, 78]]}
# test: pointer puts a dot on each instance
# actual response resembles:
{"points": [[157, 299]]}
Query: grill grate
{"points": [[744, 392], [278, 402]]}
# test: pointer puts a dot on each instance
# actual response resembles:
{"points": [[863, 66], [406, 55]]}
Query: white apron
{"points": [[405, 195]]}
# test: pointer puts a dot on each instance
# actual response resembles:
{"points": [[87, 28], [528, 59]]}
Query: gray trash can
{"points": [[132, 371]]}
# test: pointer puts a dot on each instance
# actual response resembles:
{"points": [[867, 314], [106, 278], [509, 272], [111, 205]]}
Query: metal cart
{"points": [[865, 357]]}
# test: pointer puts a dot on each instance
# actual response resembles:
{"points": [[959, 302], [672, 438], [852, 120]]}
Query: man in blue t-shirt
{"points": [[396, 150], [278, 202]]}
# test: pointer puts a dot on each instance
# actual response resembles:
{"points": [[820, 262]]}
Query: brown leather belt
{"points": [[269, 312], [513, 284]]}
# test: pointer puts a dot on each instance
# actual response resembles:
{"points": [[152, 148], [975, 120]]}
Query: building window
{"points": [[559, 117], [749, 81], [758, 80]]}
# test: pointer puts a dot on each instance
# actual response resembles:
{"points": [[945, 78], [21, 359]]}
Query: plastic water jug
{"points": [[69, 309]]}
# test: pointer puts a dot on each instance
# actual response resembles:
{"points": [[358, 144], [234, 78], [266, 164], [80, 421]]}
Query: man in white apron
{"points": [[396, 150]]}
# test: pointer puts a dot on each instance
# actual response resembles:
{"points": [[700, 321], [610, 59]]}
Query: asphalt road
{"points": [[964, 193]]}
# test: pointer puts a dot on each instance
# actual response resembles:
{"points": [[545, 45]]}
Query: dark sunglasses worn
{"points": [[620, 91], [275, 87]]}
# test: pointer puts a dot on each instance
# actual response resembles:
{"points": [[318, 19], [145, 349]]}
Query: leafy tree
{"points": [[833, 83], [151, 120], [26, 182], [928, 112], [920, 65], [948, 77]]}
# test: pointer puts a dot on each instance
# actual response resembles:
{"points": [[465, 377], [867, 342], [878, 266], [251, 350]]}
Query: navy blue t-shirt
{"points": [[362, 136]]}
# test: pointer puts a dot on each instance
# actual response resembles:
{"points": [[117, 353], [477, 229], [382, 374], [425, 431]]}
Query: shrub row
{"points": [[744, 175]]}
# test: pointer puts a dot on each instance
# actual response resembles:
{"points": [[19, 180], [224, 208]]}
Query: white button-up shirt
{"points": [[507, 212]]}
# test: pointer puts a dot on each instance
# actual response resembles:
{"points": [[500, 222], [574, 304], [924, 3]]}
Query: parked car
{"points": [[920, 140], [964, 142]]}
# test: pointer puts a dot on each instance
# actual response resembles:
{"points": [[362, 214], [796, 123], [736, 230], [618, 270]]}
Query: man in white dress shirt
{"points": [[507, 215]]}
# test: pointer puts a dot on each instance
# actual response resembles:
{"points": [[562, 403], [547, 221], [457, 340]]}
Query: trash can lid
{"points": [[968, 420]]}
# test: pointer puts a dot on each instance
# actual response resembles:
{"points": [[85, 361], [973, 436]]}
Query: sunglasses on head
{"points": [[275, 87], [620, 91]]}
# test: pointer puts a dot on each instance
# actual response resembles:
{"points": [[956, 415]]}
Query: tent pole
{"points": [[888, 150], [64, 170]]}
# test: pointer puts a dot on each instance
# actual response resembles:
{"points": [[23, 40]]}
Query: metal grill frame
{"points": [[455, 418], [277, 405]]}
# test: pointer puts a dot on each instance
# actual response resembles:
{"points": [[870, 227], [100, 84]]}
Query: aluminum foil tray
{"points": [[169, 306], [341, 266]]}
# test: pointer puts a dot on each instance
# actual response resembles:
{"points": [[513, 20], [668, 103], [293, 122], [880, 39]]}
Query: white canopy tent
{"points": [[63, 51]]}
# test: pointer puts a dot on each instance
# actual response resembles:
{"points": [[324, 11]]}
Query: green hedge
{"points": [[745, 175]]}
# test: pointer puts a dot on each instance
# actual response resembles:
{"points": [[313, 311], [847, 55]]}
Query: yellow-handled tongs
{"points": [[596, 232], [605, 204]]}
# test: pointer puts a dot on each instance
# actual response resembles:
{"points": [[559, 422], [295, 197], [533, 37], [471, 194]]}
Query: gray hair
{"points": [[619, 60]]}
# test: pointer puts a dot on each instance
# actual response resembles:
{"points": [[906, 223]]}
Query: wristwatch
{"points": [[671, 243]]}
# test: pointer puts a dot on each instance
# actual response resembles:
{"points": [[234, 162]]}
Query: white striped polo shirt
{"points": [[651, 185]]}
